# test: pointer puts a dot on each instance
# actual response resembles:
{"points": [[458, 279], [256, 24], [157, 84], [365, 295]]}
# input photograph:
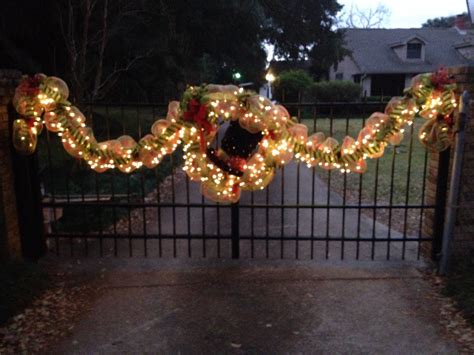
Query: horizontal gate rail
{"points": [[241, 237], [199, 205]]}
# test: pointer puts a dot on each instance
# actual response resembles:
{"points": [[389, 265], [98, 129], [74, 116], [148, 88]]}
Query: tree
{"points": [[151, 49], [357, 17], [304, 30], [89, 29], [446, 22]]}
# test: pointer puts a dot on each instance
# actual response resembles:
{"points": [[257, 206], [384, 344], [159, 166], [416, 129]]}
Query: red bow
{"points": [[441, 78], [30, 86], [198, 113], [237, 163], [449, 120]]}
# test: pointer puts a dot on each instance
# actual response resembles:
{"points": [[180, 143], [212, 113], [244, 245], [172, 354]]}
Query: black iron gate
{"points": [[305, 213]]}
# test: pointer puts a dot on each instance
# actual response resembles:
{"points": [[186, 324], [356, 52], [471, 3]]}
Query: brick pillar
{"points": [[10, 237], [463, 238], [437, 165]]}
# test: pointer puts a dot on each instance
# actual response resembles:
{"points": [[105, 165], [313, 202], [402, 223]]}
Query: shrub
{"points": [[377, 98], [291, 83], [336, 91]]}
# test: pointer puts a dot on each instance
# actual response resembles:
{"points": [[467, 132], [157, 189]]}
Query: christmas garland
{"points": [[260, 138]]}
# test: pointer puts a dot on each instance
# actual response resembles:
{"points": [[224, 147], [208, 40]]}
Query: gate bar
{"points": [[235, 230], [440, 209]]}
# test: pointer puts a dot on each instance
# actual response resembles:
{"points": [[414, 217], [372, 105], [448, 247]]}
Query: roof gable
{"points": [[373, 49]]}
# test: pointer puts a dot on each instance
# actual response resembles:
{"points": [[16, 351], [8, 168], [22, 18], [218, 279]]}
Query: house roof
{"points": [[372, 49]]}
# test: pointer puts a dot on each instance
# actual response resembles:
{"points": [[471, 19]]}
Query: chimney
{"points": [[460, 24]]}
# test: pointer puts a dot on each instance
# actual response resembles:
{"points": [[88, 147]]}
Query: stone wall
{"points": [[10, 242]]}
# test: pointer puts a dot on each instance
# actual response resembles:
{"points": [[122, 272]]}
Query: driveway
{"points": [[246, 306], [209, 305]]}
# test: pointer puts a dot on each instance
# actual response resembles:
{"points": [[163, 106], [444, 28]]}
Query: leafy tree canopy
{"points": [[149, 50], [445, 22]]}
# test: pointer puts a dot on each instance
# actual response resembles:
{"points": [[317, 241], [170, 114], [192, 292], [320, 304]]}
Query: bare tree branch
{"points": [[358, 17]]}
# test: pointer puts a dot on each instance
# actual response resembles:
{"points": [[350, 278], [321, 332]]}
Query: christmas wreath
{"points": [[259, 136]]}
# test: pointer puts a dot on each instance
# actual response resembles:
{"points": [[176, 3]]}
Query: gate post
{"points": [[20, 183], [235, 230], [10, 236]]}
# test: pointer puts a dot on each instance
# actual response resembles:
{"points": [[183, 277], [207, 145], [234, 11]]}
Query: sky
{"points": [[411, 13]]}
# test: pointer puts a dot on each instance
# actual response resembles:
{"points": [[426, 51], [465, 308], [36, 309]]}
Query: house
{"points": [[383, 61]]}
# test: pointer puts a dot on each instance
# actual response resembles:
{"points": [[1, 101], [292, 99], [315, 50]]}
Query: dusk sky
{"points": [[412, 13]]}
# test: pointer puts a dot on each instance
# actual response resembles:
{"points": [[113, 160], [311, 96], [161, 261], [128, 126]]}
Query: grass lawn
{"points": [[397, 176]]}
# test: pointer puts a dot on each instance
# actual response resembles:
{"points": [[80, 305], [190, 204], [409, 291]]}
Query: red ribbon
{"points": [[198, 113]]}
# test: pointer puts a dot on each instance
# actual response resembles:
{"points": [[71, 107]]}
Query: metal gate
{"points": [[306, 213]]}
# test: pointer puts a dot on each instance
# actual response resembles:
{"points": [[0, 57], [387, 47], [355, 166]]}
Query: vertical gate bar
{"points": [[98, 210], [374, 213], [68, 199], [390, 203], [313, 181], [407, 195], [298, 176], [173, 209], [359, 211], [422, 203], [188, 215], [328, 198], [218, 211], [99, 214], [252, 225], [267, 230], [52, 190], [142, 180], [203, 219], [440, 205], [282, 232], [84, 215], [344, 201], [112, 183], [129, 211], [235, 230], [158, 211]]}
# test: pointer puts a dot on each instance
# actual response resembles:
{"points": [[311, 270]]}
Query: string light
{"points": [[42, 100]]}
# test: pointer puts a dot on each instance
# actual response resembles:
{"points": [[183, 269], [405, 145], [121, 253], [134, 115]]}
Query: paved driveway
{"points": [[196, 305], [200, 307]]}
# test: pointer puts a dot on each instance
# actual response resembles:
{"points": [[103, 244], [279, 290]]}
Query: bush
{"points": [[336, 91], [377, 98], [291, 83]]}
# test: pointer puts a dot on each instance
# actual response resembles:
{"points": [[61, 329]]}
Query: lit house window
{"points": [[413, 50], [339, 76]]}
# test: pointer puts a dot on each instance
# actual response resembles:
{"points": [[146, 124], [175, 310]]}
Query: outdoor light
{"points": [[270, 77], [237, 76]]}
